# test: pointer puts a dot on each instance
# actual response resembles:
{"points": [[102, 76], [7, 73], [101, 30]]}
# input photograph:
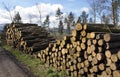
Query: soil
{"points": [[11, 67]]}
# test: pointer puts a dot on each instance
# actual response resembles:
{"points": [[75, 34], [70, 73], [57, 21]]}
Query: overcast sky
{"points": [[27, 9]]}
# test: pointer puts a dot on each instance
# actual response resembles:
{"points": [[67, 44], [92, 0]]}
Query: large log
{"points": [[111, 37], [113, 45]]}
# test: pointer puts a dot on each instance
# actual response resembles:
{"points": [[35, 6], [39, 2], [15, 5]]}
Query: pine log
{"points": [[118, 54], [108, 62], [111, 37], [101, 66], [101, 42], [113, 45], [94, 61], [116, 73], [100, 56], [95, 68], [94, 54], [83, 46], [114, 58], [108, 53], [94, 41], [113, 66], [84, 26], [108, 71], [79, 66], [78, 27], [84, 40], [86, 63], [83, 33]]}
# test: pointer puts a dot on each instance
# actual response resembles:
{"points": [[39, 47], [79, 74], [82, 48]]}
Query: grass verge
{"points": [[38, 67]]}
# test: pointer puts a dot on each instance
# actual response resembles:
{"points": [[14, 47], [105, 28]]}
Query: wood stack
{"points": [[85, 54], [27, 37]]}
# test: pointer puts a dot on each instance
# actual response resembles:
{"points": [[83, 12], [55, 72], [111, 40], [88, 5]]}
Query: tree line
{"points": [[106, 11]]}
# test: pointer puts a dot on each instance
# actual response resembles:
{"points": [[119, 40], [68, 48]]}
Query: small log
{"points": [[79, 66], [90, 58], [95, 68], [114, 58], [86, 63], [108, 71], [94, 41], [101, 66], [94, 61], [116, 73], [83, 46], [108, 62], [101, 42], [78, 48], [118, 54], [113, 66], [84, 40], [78, 27], [83, 33], [100, 56]]}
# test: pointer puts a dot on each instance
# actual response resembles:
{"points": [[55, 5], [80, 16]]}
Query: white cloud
{"points": [[27, 12]]}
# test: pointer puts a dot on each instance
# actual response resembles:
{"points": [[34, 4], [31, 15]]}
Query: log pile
{"points": [[27, 37], [85, 54]]}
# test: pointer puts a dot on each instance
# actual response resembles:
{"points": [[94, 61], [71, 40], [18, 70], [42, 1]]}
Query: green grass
{"points": [[39, 68]]}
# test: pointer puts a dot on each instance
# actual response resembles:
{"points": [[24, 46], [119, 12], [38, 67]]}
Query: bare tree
{"points": [[7, 8], [113, 6], [39, 10], [93, 8]]}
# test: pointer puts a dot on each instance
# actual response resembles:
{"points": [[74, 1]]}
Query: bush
{"points": [[49, 71], [62, 74], [53, 75]]}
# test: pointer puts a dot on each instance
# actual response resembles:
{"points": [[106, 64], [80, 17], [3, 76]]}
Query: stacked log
{"points": [[85, 54], [27, 37]]}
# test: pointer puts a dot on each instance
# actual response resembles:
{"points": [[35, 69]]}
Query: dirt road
{"points": [[9, 67]]}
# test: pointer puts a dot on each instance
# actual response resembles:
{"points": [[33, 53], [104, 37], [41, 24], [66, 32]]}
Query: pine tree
{"points": [[46, 22], [69, 21], [17, 18], [90, 20], [84, 17], [79, 20], [60, 27], [59, 16]]}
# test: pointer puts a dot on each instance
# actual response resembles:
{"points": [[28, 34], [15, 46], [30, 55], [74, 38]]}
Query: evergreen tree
{"points": [[90, 20], [60, 27], [84, 17], [46, 22], [79, 20], [59, 16], [17, 18], [69, 21]]}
